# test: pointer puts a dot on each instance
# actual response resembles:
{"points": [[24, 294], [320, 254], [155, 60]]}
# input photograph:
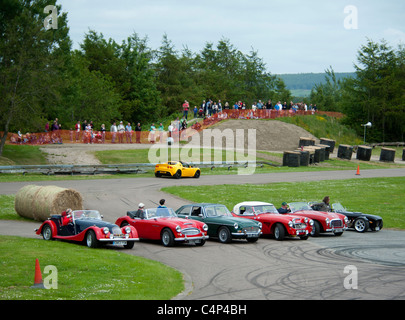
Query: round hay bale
{"points": [[40, 202], [345, 152], [387, 154], [329, 142], [291, 159], [364, 153]]}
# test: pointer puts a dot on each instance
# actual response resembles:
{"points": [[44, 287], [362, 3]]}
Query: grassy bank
{"points": [[83, 273], [380, 196]]}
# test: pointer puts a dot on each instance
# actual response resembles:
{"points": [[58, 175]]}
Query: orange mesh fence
{"points": [[71, 136]]}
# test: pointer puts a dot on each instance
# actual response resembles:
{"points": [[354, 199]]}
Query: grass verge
{"points": [[380, 196], [83, 273]]}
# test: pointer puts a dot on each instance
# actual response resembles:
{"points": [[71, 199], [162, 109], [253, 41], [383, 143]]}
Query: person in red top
{"points": [[66, 217], [186, 106]]}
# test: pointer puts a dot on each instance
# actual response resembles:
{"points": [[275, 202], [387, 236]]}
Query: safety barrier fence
{"points": [[100, 137]]}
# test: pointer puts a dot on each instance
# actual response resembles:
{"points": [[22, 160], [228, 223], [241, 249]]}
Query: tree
{"points": [[377, 92], [327, 95], [30, 57]]}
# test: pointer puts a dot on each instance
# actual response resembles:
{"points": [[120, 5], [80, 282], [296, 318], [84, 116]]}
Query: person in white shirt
{"points": [[113, 131], [121, 130]]}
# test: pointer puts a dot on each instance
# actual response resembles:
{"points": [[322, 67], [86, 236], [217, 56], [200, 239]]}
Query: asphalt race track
{"points": [[353, 266]]}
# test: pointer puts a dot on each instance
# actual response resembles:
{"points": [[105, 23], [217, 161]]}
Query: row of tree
{"points": [[376, 94], [42, 78]]}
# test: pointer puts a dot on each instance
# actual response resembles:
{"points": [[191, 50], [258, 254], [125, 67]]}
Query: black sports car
{"points": [[361, 222]]}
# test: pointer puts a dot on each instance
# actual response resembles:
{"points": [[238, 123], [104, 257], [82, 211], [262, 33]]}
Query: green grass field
{"points": [[380, 196], [83, 273]]}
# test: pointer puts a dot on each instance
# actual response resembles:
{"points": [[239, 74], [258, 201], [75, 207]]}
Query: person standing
{"points": [[113, 131], [186, 106], [128, 132], [121, 130], [138, 130], [77, 129]]}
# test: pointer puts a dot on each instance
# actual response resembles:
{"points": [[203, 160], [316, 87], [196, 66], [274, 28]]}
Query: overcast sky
{"points": [[291, 36]]}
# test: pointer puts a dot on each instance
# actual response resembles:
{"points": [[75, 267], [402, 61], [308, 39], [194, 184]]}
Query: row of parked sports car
{"points": [[195, 223]]}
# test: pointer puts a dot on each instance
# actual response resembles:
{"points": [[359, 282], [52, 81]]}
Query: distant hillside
{"points": [[304, 82]]}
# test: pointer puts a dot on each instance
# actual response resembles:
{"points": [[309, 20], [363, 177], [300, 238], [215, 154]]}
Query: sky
{"points": [[291, 36]]}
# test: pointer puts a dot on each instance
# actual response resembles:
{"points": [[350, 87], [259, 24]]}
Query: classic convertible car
{"points": [[177, 169], [323, 221], [87, 226], [274, 223], [221, 223], [361, 222], [163, 224]]}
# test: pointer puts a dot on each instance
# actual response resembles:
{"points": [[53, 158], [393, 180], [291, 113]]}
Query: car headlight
{"points": [[327, 221], [306, 220], [235, 225], [205, 227], [290, 223], [260, 225], [311, 222], [178, 228], [106, 230], [128, 230], [346, 220]]}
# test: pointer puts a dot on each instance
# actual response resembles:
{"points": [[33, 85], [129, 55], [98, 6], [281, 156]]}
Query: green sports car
{"points": [[221, 223]]}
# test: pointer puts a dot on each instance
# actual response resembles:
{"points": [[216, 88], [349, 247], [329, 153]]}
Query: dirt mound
{"points": [[271, 135]]}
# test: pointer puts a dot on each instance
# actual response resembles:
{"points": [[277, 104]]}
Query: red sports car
{"points": [[323, 221], [163, 224], [87, 226], [273, 222]]}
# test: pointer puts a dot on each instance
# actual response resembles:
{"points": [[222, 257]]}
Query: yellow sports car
{"points": [[176, 169]]}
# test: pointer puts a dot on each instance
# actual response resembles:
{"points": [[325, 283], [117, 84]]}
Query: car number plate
{"points": [[119, 243]]}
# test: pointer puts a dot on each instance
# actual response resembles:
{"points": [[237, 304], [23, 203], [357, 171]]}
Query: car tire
{"points": [[167, 238], [197, 174], [129, 245], [279, 232], [224, 235], [316, 229], [47, 232], [177, 175], [361, 225], [200, 243], [91, 239]]}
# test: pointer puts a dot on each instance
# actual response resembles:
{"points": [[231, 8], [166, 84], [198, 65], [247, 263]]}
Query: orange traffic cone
{"points": [[38, 284], [358, 170]]}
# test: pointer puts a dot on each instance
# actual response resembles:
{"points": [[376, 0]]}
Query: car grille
{"points": [[251, 229], [337, 223], [190, 231], [299, 225], [116, 231]]}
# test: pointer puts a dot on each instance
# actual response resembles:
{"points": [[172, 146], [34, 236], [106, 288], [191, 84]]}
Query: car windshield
{"points": [[160, 212], [296, 206], [217, 211], [86, 214], [338, 207], [266, 208]]}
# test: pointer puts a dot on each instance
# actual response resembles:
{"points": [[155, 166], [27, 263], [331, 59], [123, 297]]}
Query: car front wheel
{"points": [[91, 239], [224, 235], [47, 232], [279, 232], [167, 238], [361, 225]]}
